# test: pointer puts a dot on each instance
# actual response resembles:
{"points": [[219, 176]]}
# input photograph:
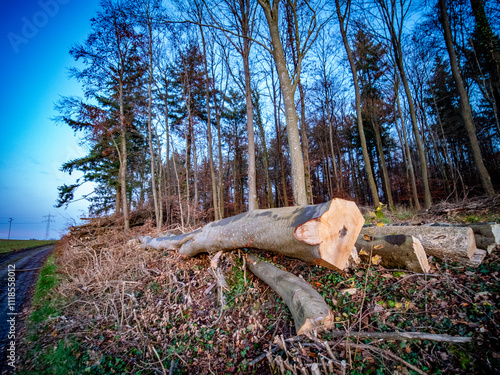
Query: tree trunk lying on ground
{"points": [[323, 234], [396, 251], [456, 244], [308, 308], [487, 235]]}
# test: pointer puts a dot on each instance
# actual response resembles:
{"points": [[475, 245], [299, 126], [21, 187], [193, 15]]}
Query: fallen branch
{"points": [[386, 354], [389, 336], [308, 308]]}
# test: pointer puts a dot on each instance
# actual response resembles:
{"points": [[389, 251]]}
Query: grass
{"points": [[62, 358], [11, 245]]}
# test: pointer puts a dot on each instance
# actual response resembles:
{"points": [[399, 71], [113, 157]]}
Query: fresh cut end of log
{"points": [[335, 232]]}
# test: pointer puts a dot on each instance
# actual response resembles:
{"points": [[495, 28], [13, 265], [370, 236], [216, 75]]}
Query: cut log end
{"points": [[327, 322], [335, 232]]}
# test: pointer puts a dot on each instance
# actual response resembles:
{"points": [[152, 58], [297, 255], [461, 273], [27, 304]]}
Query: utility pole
{"points": [[10, 226], [48, 221]]}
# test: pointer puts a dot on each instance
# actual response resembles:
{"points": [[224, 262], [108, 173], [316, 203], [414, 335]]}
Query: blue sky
{"points": [[35, 39]]}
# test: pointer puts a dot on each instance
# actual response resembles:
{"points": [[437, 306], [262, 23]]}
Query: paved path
{"points": [[23, 266]]}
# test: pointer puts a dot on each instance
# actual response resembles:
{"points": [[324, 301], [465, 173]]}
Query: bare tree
{"points": [[288, 86]]}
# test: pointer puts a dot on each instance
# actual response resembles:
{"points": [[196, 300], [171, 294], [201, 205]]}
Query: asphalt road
{"points": [[19, 268]]}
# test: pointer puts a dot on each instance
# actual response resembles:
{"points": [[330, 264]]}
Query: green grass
{"points": [[63, 358], [10, 245]]}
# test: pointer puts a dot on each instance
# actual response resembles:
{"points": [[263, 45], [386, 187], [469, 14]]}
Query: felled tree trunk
{"points": [[308, 308], [323, 234], [487, 235], [456, 244], [396, 251]]}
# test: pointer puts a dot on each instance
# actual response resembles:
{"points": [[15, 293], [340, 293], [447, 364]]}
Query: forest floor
{"points": [[118, 308]]}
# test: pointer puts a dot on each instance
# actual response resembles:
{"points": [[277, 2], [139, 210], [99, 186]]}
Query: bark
{"points": [[297, 161], [487, 235], [464, 104], [323, 234], [308, 308], [448, 243], [397, 251], [357, 92]]}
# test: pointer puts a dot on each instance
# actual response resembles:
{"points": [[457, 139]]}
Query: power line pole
{"points": [[10, 226], [48, 221]]}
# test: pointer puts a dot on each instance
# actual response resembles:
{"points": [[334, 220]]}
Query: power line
{"points": [[10, 226], [48, 220]]}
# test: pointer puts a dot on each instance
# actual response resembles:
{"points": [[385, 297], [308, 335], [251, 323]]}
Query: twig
{"points": [[396, 336], [161, 363], [387, 354]]}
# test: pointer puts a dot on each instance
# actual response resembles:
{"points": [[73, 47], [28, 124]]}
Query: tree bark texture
{"points": [[487, 235], [448, 243], [323, 234], [308, 308], [396, 251]]}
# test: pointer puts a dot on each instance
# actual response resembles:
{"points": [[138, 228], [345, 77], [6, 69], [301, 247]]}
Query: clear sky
{"points": [[35, 39]]}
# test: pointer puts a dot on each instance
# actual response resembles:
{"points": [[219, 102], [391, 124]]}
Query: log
{"points": [[308, 308], [456, 244], [396, 251], [323, 234], [476, 259], [487, 235]]}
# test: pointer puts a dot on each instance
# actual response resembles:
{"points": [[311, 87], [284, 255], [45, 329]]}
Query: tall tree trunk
{"points": [[296, 157], [123, 156], [150, 131], [383, 166], [277, 125], [262, 133], [195, 183], [252, 173], [209, 129], [366, 157], [406, 146], [305, 144], [464, 104], [167, 161]]}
